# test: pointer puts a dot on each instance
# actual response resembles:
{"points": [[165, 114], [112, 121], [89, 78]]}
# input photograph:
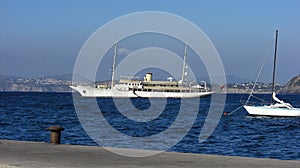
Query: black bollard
{"points": [[55, 134]]}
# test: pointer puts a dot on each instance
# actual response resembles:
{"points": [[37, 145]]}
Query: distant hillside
{"points": [[57, 83], [59, 77], [292, 87], [230, 79], [5, 77], [50, 83]]}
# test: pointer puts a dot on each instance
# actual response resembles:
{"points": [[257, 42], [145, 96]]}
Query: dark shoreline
{"points": [[229, 93]]}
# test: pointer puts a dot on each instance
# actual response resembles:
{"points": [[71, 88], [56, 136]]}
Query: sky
{"points": [[39, 38]]}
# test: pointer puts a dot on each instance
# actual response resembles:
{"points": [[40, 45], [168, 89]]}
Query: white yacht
{"points": [[133, 87]]}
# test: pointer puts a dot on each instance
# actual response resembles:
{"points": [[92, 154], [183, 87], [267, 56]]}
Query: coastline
{"points": [[72, 91]]}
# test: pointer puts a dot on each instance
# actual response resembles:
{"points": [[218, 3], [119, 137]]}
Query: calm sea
{"points": [[26, 116]]}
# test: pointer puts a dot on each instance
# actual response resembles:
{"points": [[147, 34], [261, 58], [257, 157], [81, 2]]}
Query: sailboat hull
{"points": [[272, 111]]}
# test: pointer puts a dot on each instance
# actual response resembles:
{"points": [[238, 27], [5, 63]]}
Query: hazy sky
{"points": [[39, 38]]}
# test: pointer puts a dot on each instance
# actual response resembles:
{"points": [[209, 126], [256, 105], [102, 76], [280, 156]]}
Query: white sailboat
{"points": [[132, 87], [277, 107]]}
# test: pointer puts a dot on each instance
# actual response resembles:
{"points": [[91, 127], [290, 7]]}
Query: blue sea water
{"points": [[26, 116]]}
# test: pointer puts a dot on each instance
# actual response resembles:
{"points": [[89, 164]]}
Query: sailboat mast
{"points": [[274, 65], [184, 63], [114, 66]]}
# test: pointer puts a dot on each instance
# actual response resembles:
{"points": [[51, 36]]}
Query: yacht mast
{"points": [[274, 66], [184, 63], [114, 66]]}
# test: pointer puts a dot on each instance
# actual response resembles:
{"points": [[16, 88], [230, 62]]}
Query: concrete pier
{"points": [[19, 154]]}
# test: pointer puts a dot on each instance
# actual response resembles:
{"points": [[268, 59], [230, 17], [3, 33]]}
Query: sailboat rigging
{"points": [[278, 109]]}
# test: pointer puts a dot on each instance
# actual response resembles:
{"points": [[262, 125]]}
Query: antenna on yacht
{"points": [[114, 65], [184, 62]]}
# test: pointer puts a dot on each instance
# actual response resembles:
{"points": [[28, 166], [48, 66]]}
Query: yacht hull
{"points": [[89, 91]]}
